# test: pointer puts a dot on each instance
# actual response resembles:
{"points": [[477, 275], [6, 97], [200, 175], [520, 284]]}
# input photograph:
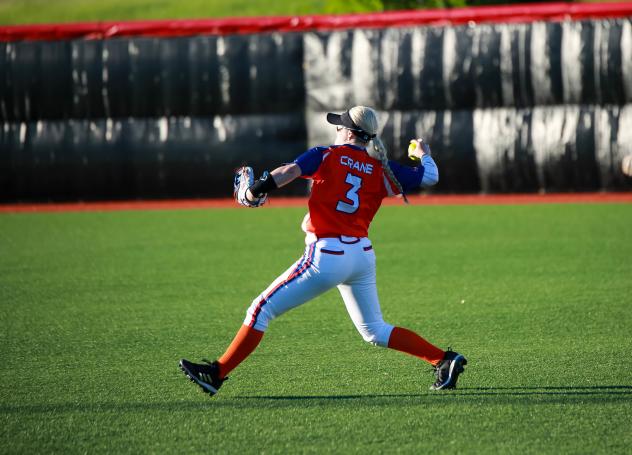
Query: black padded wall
{"points": [[150, 158], [505, 107], [151, 77], [147, 117]]}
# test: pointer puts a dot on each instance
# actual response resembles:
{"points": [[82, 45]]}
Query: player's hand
{"points": [[244, 179], [417, 149]]}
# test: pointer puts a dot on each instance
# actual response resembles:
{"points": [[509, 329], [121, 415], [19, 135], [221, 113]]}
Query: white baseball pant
{"points": [[345, 262]]}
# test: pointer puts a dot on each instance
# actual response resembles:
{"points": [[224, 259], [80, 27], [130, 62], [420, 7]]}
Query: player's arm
{"points": [[279, 177], [254, 193], [423, 175], [304, 166]]}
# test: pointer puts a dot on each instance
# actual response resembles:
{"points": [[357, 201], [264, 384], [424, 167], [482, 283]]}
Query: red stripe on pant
{"points": [[301, 269]]}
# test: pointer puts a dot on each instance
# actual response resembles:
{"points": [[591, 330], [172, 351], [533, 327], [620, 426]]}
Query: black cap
{"points": [[344, 119]]}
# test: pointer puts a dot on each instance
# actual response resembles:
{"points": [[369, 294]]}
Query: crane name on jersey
{"points": [[357, 165]]}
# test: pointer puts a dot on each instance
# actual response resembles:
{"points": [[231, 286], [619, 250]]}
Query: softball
{"points": [[626, 165], [411, 149]]}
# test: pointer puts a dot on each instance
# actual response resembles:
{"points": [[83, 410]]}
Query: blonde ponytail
{"points": [[379, 152], [366, 119]]}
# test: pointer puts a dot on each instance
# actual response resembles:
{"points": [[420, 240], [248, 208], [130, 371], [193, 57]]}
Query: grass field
{"points": [[45, 11], [97, 308]]}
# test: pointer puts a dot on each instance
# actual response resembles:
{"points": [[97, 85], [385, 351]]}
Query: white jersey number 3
{"points": [[352, 195]]}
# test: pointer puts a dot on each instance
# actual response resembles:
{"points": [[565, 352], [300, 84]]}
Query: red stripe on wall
{"points": [[249, 25]]}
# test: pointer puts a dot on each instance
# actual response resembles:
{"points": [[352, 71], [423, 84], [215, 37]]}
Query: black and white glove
{"points": [[244, 179]]}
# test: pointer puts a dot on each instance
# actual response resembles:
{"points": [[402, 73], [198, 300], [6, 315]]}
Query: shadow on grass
{"points": [[483, 395], [551, 390], [570, 391]]}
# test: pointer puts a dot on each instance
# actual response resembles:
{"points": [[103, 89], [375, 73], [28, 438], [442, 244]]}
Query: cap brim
{"points": [[334, 119]]}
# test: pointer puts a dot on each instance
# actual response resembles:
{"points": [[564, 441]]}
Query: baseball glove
{"points": [[244, 179]]}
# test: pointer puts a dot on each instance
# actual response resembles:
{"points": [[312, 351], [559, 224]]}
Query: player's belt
{"points": [[346, 239]]}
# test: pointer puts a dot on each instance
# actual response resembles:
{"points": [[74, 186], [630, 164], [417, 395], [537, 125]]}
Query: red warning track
{"points": [[184, 204]]}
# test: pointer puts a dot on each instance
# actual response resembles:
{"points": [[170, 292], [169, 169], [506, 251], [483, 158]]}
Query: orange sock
{"points": [[246, 340], [409, 342]]}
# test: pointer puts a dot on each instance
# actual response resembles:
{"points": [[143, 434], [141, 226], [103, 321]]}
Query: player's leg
{"points": [[363, 306], [302, 282], [248, 338], [361, 299], [210, 376]]}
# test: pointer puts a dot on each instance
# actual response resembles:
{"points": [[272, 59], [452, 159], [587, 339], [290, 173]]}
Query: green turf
{"points": [[57, 11], [46, 11], [97, 308]]}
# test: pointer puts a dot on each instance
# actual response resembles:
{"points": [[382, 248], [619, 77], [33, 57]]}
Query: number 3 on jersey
{"points": [[352, 195]]}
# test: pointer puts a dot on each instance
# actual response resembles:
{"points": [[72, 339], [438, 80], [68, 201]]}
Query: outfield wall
{"points": [[506, 107], [512, 107], [147, 117]]}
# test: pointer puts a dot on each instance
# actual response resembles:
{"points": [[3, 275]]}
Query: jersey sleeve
{"points": [[411, 178], [309, 162]]}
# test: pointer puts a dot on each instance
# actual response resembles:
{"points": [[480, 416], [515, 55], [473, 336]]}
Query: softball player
{"points": [[350, 179]]}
